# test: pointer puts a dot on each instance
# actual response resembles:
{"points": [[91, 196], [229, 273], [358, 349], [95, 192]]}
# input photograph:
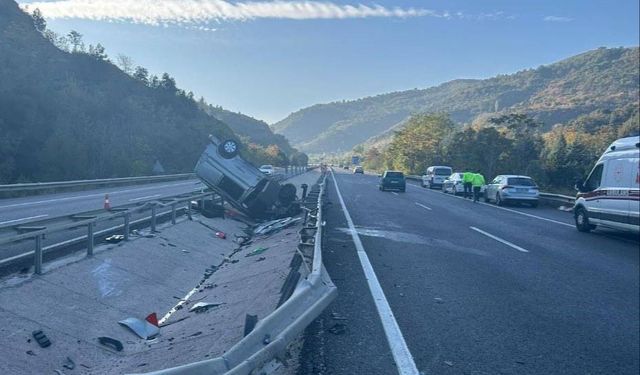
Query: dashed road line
{"points": [[507, 209], [500, 240], [423, 206], [399, 349]]}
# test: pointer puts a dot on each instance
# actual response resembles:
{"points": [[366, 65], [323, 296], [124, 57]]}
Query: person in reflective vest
{"points": [[467, 182], [477, 182]]}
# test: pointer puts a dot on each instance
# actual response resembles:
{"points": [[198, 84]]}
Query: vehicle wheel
{"points": [[486, 198], [229, 149], [403, 190], [582, 220], [534, 204], [499, 201]]}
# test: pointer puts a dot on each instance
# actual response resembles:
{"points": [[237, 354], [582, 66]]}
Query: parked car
{"points": [[358, 169], [266, 169], [393, 180], [453, 184], [610, 196], [435, 175], [512, 188]]}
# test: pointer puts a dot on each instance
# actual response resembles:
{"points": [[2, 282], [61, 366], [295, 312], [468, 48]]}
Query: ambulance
{"points": [[610, 196]]}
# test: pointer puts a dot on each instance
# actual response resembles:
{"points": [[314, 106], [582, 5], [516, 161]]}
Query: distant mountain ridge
{"points": [[601, 79], [249, 128]]}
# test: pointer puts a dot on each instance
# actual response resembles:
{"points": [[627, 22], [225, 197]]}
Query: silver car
{"points": [[453, 184], [512, 188]]}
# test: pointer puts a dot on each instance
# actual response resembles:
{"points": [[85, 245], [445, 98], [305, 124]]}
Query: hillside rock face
{"points": [[602, 79]]}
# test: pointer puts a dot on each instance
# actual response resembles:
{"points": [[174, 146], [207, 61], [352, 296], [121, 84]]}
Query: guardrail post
{"points": [[189, 210], [127, 218], [90, 239], [153, 218], [173, 213], [38, 255]]}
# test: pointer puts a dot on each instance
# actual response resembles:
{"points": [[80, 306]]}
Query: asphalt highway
{"points": [[470, 288], [16, 211]]}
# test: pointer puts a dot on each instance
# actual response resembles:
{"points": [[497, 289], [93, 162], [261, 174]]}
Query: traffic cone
{"points": [[107, 204]]}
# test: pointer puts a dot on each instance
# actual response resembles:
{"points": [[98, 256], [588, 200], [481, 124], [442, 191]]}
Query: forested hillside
{"points": [[247, 127], [599, 80], [68, 112]]}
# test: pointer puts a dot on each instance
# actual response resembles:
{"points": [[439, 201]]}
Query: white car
{"points": [[266, 169], [435, 175], [610, 196], [453, 184]]}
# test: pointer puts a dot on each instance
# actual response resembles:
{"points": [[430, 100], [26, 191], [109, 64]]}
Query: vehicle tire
{"points": [[534, 204], [287, 194], [486, 198], [229, 149], [582, 220], [403, 190], [499, 201]]}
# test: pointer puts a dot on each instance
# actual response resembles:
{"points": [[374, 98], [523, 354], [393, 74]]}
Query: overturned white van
{"points": [[610, 196]]}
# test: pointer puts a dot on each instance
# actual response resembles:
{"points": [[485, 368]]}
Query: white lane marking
{"points": [[505, 209], [394, 193], [147, 197], [500, 240], [423, 206], [24, 218], [92, 195], [401, 355]]}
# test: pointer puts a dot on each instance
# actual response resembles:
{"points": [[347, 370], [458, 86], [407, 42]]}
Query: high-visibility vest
{"points": [[478, 179]]}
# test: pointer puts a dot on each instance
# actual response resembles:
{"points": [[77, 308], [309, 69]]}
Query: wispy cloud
{"points": [[557, 19], [198, 12], [156, 12]]}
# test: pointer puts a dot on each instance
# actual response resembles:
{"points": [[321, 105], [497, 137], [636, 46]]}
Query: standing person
{"points": [[478, 183], [467, 182]]}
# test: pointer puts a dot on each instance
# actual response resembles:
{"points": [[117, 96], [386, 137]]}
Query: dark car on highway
{"points": [[393, 180]]}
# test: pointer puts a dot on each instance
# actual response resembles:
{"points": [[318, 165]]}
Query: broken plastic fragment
{"points": [[203, 306], [153, 319], [111, 343], [257, 251], [142, 328], [221, 235]]}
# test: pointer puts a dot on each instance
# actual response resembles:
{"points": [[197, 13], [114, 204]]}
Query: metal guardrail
{"points": [[89, 221], [272, 335], [78, 183]]}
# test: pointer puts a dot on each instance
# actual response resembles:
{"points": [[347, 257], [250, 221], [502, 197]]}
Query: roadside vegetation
{"points": [[512, 143], [70, 111]]}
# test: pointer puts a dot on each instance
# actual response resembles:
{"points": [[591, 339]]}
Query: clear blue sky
{"points": [[263, 62]]}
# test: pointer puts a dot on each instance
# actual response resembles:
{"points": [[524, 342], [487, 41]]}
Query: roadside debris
{"points": [[257, 251], [153, 319], [275, 225], [69, 364], [142, 328], [41, 338], [110, 343], [336, 316], [438, 300], [115, 238], [448, 363], [250, 322], [338, 329], [201, 307], [174, 322], [221, 235]]}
